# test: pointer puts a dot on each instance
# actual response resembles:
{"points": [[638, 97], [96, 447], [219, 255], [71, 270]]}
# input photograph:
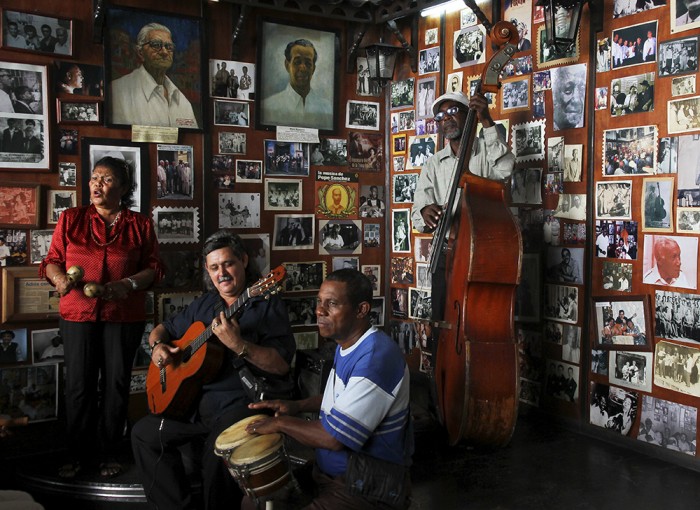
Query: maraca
{"points": [[93, 290], [75, 274]]}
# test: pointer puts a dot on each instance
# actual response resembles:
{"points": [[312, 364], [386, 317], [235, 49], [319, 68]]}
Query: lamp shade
{"points": [[562, 19], [381, 59]]}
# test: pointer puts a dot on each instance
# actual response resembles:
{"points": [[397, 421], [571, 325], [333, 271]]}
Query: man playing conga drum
{"points": [[364, 426]]}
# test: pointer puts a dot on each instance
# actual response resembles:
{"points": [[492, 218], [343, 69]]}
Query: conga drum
{"points": [[234, 436], [260, 465]]}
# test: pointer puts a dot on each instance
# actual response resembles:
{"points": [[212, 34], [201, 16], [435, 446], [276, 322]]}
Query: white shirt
{"points": [[138, 99], [6, 102], [653, 277], [287, 108]]}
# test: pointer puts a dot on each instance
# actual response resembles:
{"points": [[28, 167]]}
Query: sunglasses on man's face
{"points": [[452, 111], [159, 45]]}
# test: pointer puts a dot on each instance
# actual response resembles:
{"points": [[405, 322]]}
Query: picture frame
{"points": [[294, 232], [374, 273], [176, 224], [135, 154], [684, 47], [635, 140], [547, 58], [249, 170], [427, 92], [680, 20], [78, 79], [340, 237], [20, 205], [58, 201], [376, 312], [401, 230], [402, 96], [39, 385], [657, 204], [398, 143], [301, 310], [272, 80], [25, 296], [622, 322], [682, 115], [78, 111], [231, 113], [20, 352], [362, 115], [220, 85], [469, 46], [122, 72], [239, 210], [639, 378], [632, 33], [283, 194], [182, 180], [39, 244], [172, 303], [515, 95], [304, 276], [43, 348], [29, 25], [26, 126]]}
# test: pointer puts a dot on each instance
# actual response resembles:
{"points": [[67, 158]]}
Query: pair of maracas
{"points": [[90, 289]]}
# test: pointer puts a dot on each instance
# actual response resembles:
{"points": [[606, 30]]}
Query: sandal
{"points": [[69, 470], [110, 469]]}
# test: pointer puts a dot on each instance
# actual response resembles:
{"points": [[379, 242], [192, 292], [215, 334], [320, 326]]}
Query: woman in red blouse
{"points": [[117, 248]]}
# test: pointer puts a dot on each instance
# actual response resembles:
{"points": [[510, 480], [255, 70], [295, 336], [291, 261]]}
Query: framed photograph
{"points": [[687, 220], [683, 85], [13, 245], [78, 79], [426, 96], [402, 96], [340, 237], [25, 296], [39, 387], [78, 111], [670, 261], [639, 142], [402, 270], [25, 120], [170, 304], [399, 144], [561, 303], [175, 172], [365, 86], [15, 349], [130, 48], [232, 143], [564, 265], [562, 382], [429, 60], [404, 186], [176, 224], [374, 273], [301, 310], [528, 141], [28, 31], [249, 170], [231, 79], [47, 346], [622, 321], [57, 202], [283, 194], [362, 115], [40, 243], [613, 408], [286, 158], [614, 200], [371, 235], [547, 57], [661, 419], [673, 310], [258, 248], [231, 113], [632, 370], [20, 205], [657, 204], [641, 47], [67, 174], [632, 94], [345, 263], [515, 95], [681, 18], [135, 154], [401, 230], [420, 304], [372, 201], [304, 276], [526, 186], [291, 73], [239, 210], [420, 148], [683, 115], [376, 313], [294, 232], [67, 142], [469, 46], [678, 56]]}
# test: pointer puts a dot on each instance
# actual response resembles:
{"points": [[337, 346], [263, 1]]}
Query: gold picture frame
{"points": [[26, 297]]}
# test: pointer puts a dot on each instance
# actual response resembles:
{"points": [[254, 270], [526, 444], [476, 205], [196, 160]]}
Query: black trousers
{"points": [[98, 360], [156, 444]]}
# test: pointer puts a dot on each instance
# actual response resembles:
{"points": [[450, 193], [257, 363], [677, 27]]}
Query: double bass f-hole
{"points": [[458, 342]]}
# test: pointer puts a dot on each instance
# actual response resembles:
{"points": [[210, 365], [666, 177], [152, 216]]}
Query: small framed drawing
{"points": [[58, 201], [362, 115], [21, 31], [25, 296], [78, 112], [283, 194], [622, 322], [21, 204]]}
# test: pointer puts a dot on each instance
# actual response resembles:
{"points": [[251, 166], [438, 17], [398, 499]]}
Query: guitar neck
{"points": [[231, 311]]}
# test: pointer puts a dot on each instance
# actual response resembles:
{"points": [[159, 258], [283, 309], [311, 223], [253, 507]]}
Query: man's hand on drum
{"points": [[280, 407]]}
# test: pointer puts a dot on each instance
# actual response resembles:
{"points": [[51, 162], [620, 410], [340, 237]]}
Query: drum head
{"points": [[256, 449], [236, 434]]}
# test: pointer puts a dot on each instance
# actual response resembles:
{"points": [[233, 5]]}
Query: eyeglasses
{"points": [[452, 111], [157, 45]]}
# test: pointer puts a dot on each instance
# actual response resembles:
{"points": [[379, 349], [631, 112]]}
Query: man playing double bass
{"points": [[490, 158]]}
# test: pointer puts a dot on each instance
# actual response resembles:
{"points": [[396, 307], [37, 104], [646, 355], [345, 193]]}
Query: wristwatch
{"points": [[134, 284], [244, 351]]}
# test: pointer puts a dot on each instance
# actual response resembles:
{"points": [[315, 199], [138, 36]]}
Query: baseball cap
{"points": [[457, 97]]}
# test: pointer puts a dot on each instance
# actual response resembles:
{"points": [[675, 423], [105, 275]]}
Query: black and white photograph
{"points": [[617, 276], [667, 160], [249, 170], [573, 155], [239, 210], [184, 269], [526, 186], [362, 115], [301, 310], [399, 302], [286, 158], [670, 261], [429, 60], [676, 317], [67, 174], [304, 276], [571, 344], [684, 16], [677, 367], [555, 154], [33, 392], [420, 304], [423, 276], [407, 120], [515, 95], [571, 207], [232, 143], [568, 96], [345, 263], [621, 321], [683, 115], [404, 186], [283, 194], [469, 46], [67, 141], [683, 85], [431, 36], [372, 201], [340, 237], [426, 97], [614, 200], [333, 152], [553, 332], [399, 163], [562, 381], [687, 220], [602, 55], [634, 45], [629, 151], [402, 93], [58, 201], [258, 248], [626, 8], [527, 293], [631, 369], [657, 204], [78, 112], [632, 94], [231, 113], [377, 313], [420, 148], [613, 408], [231, 79], [32, 32], [668, 425], [294, 232], [79, 79], [374, 273], [527, 141], [175, 172], [14, 346], [176, 224], [371, 235], [561, 303], [365, 86], [454, 81], [678, 56], [40, 243], [47, 346], [421, 247], [548, 56], [564, 265], [171, 304], [401, 230], [599, 362]]}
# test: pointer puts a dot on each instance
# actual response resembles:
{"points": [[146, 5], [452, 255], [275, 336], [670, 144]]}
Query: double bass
{"points": [[476, 360]]}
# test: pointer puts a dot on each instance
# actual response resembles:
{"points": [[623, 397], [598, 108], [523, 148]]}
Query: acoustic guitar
{"points": [[171, 390]]}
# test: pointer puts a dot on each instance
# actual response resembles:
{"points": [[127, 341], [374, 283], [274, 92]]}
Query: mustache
{"points": [[224, 278]]}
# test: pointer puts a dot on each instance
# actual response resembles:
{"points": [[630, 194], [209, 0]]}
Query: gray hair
{"points": [[147, 29], [227, 239]]}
